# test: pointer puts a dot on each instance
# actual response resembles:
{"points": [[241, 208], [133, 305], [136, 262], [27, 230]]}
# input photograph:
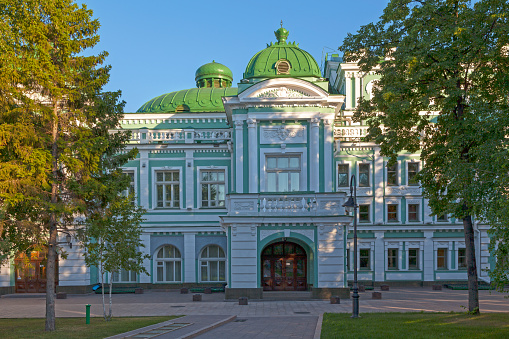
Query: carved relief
{"points": [[310, 234], [287, 134], [402, 190], [329, 205], [239, 123], [266, 233], [251, 122], [243, 206], [282, 92]]}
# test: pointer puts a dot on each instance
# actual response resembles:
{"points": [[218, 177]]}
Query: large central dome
{"points": [[282, 59]]}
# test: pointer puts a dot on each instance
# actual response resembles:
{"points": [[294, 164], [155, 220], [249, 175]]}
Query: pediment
{"points": [[283, 89]]}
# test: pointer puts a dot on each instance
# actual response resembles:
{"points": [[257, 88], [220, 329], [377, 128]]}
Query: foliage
{"points": [[444, 81], [415, 325], [54, 122], [75, 328]]}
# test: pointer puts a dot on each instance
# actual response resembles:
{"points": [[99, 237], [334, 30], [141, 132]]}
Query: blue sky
{"points": [[155, 46]]}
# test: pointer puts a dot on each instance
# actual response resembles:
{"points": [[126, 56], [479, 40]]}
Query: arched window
{"points": [[168, 264], [212, 264]]}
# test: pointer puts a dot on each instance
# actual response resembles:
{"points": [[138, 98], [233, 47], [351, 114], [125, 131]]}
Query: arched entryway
{"points": [[31, 272], [284, 267]]}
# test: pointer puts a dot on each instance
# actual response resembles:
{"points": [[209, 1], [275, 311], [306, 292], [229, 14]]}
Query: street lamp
{"points": [[349, 205]]}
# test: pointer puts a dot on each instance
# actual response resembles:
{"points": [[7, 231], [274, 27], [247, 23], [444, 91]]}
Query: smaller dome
{"points": [[213, 74]]}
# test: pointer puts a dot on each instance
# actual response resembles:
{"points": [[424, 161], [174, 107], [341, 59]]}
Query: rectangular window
{"points": [[392, 175], [130, 190], [413, 168], [348, 260], [363, 175], [168, 189], [364, 258], [392, 213], [392, 258], [123, 275], [462, 258], [413, 212], [442, 258], [283, 173], [363, 213], [413, 258], [442, 218], [212, 188], [343, 171]]}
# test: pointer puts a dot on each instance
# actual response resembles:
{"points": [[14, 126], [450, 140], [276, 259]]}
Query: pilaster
{"points": [[314, 155], [189, 169], [190, 257], [253, 155], [239, 156], [144, 179]]}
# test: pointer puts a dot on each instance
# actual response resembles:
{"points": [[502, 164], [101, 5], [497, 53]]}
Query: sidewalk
{"points": [[269, 317]]}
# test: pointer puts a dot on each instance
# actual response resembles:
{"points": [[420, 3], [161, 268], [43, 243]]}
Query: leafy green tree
{"points": [[54, 122], [443, 88]]}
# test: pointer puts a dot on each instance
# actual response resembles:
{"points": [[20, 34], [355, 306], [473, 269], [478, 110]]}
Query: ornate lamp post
{"points": [[351, 204]]}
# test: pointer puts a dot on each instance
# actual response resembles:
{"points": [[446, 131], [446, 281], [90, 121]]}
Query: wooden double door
{"points": [[31, 272], [284, 266]]}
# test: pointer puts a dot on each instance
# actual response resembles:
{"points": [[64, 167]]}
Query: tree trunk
{"points": [[102, 292], [473, 286], [53, 233], [110, 312]]}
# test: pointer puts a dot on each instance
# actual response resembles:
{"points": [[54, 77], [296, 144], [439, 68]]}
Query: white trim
{"points": [[419, 165], [154, 190], [135, 172], [343, 188], [301, 151], [398, 174], [417, 202], [155, 261], [370, 176], [392, 201], [198, 184]]}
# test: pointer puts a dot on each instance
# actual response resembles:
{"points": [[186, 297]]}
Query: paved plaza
{"points": [[258, 319]]}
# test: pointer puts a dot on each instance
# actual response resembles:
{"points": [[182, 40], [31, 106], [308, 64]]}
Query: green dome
{"points": [[282, 59], [213, 69], [189, 101]]}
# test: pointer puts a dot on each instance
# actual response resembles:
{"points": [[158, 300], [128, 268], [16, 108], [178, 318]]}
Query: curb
{"points": [[208, 328], [318, 329]]}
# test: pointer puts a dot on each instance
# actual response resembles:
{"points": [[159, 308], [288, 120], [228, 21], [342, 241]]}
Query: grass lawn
{"points": [[69, 328], [416, 325]]}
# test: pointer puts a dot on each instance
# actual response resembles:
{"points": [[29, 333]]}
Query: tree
{"points": [[54, 122], [443, 88]]}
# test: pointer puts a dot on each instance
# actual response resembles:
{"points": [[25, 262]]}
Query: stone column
{"points": [[145, 240], [328, 154], [380, 256], [253, 155], [348, 91], [314, 156], [378, 187], [189, 257], [358, 87], [189, 171], [428, 256], [144, 179], [239, 156]]}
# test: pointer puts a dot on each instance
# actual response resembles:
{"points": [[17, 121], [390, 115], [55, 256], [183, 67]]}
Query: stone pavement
{"points": [[261, 315]]}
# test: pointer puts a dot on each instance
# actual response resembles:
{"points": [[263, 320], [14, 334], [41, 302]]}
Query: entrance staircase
{"points": [[287, 295]]}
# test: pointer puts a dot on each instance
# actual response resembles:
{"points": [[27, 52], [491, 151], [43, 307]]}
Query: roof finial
{"points": [[281, 23], [281, 35]]}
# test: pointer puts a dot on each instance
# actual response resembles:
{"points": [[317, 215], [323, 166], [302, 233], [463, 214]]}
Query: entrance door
{"points": [[284, 267], [31, 272]]}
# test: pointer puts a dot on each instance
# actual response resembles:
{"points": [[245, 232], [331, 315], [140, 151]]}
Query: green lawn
{"points": [[69, 328], [416, 325]]}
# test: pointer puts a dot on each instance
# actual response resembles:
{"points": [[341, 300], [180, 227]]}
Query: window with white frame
{"points": [[462, 258], [442, 258], [364, 213], [343, 175], [212, 188], [168, 263], [167, 189], [392, 175], [413, 212], [123, 276], [283, 173], [364, 259], [131, 189], [442, 218], [392, 212], [364, 175], [392, 258], [412, 170], [413, 258], [212, 264]]}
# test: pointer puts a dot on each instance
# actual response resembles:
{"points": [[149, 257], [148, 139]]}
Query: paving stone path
{"points": [[263, 319]]}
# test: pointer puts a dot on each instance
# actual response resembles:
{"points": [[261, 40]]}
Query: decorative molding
{"points": [[239, 123], [282, 92], [310, 234], [243, 206], [315, 120], [402, 190], [287, 134], [251, 122], [266, 233]]}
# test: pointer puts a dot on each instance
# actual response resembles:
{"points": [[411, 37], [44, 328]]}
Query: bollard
{"points": [[87, 319]]}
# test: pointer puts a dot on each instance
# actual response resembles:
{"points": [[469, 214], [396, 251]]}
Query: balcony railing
{"points": [[291, 204], [147, 136]]}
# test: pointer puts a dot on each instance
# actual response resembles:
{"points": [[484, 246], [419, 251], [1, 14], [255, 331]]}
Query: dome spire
{"points": [[281, 35]]}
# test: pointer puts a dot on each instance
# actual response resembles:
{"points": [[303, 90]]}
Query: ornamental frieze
{"points": [[283, 134], [282, 92]]}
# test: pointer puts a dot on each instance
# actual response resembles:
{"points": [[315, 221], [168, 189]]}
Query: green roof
{"points": [[189, 101], [214, 70], [264, 63]]}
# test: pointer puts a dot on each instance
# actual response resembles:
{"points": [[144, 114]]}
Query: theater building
{"points": [[244, 186]]}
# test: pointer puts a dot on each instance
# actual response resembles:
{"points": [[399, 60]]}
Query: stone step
{"points": [[287, 295]]}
